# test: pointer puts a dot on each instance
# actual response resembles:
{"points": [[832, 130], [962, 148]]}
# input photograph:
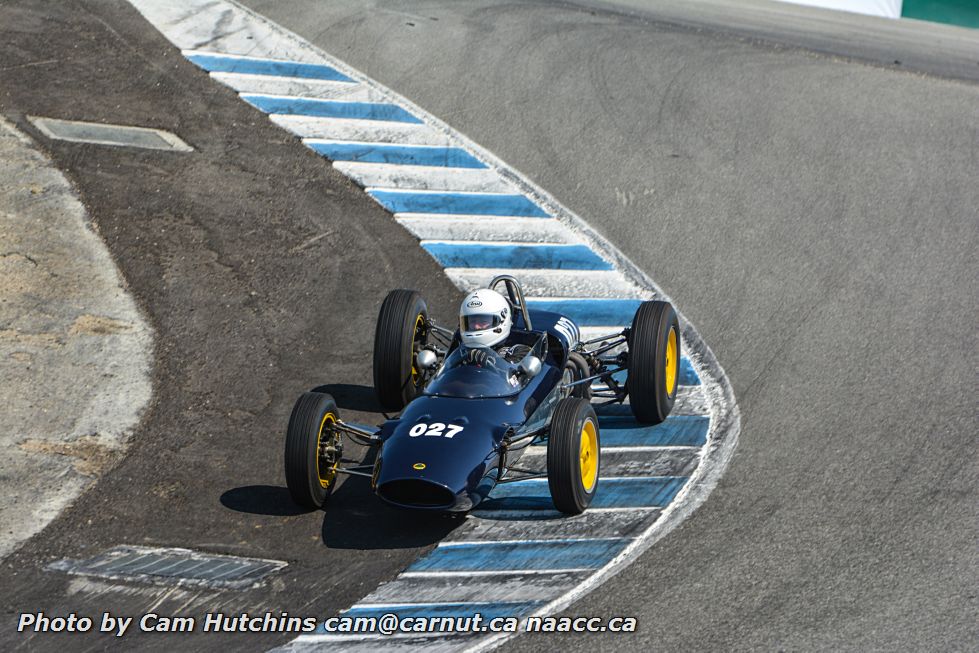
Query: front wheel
{"points": [[654, 361], [573, 455], [313, 449]]}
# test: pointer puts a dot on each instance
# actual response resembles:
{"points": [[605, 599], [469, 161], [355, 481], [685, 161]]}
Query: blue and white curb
{"points": [[515, 555]]}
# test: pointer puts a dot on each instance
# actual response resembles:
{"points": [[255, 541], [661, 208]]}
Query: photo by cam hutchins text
{"points": [[38, 622], [388, 624]]}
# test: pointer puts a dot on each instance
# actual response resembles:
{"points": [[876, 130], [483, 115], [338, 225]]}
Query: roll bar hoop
{"points": [[515, 294]]}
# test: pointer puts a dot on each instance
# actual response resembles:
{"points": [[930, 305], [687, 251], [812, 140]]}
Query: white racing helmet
{"points": [[485, 318]]}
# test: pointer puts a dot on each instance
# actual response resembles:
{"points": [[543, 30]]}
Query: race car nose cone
{"points": [[416, 493]]}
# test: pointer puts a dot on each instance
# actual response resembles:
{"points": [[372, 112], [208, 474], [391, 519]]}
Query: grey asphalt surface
{"points": [[816, 218]]}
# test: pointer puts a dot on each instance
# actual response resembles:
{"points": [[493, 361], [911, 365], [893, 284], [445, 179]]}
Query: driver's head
{"points": [[480, 322], [484, 318]]}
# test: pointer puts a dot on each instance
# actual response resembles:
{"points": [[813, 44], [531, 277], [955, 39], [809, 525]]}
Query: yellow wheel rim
{"points": [[588, 455], [328, 475], [671, 362], [419, 323]]}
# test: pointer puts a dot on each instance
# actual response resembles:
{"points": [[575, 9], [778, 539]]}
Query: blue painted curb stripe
{"points": [[329, 108], [591, 312], [556, 555], [547, 257], [688, 376], [463, 610], [449, 157], [638, 492], [462, 203], [677, 430], [216, 63]]}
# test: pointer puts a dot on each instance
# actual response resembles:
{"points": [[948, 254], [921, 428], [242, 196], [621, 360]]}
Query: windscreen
{"points": [[474, 372]]}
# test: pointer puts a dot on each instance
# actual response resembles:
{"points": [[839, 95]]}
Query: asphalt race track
{"points": [[813, 210]]}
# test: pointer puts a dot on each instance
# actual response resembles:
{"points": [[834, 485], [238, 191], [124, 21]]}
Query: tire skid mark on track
{"points": [[464, 205]]}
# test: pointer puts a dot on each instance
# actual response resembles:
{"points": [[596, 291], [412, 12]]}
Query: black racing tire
{"points": [[400, 332], [309, 476], [579, 369], [654, 361], [573, 455]]}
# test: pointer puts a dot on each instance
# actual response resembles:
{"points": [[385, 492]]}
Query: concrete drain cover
{"points": [[171, 567], [101, 134]]}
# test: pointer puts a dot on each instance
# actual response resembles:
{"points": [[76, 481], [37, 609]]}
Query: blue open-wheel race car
{"points": [[473, 399]]}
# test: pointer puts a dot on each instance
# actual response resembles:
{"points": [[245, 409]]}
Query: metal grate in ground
{"points": [[171, 566], [103, 134]]}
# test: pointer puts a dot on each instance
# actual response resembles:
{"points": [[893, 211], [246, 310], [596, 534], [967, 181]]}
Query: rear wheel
{"points": [[313, 449], [654, 361], [401, 331], [575, 369], [573, 455]]}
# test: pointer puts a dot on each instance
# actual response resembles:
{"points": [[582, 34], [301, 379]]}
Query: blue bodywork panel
{"points": [[443, 451]]}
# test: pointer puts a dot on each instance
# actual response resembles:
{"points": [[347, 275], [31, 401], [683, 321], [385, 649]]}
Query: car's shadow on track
{"points": [[261, 500], [357, 519], [354, 518]]}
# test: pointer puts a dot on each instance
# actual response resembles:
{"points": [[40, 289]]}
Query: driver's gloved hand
{"points": [[476, 356]]}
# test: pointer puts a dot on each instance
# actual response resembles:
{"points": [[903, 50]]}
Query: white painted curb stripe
{"points": [[573, 283], [493, 230], [291, 86], [386, 175], [353, 129]]}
